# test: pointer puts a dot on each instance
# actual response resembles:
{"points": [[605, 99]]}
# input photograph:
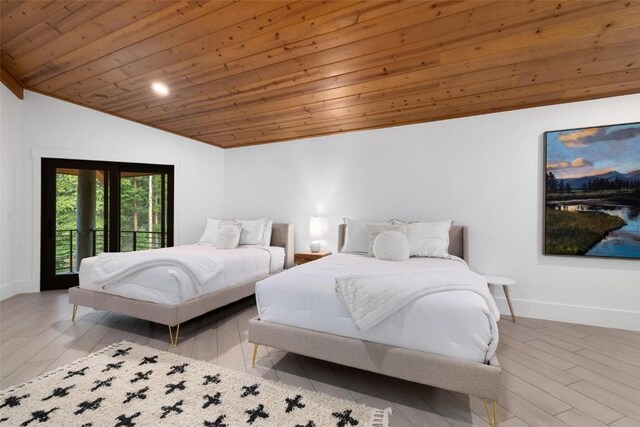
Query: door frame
{"points": [[112, 235]]}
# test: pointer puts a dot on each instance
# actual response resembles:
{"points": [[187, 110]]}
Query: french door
{"points": [[90, 207]]}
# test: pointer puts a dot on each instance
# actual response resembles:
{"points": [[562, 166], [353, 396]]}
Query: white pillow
{"points": [[228, 236], [391, 246], [252, 231], [210, 232], [429, 239], [266, 237], [375, 229], [356, 236]]}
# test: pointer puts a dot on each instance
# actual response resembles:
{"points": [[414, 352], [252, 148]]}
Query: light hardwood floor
{"points": [[555, 374]]}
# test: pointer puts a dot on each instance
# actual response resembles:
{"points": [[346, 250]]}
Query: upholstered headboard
{"points": [[282, 236], [457, 240]]}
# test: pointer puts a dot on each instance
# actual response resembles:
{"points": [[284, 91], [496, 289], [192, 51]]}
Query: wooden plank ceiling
{"points": [[252, 72]]}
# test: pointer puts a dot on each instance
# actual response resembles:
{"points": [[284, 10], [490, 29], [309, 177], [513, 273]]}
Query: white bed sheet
{"points": [[454, 324], [168, 285]]}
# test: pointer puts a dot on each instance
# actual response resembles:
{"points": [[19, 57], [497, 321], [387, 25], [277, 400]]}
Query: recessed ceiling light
{"points": [[160, 88]]}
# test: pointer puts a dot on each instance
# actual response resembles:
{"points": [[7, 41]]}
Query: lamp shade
{"points": [[316, 228]]}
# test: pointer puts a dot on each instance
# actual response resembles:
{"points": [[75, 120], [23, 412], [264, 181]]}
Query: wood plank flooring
{"points": [[555, 374]]}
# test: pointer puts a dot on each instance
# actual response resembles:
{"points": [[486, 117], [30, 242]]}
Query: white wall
{"points": [[10, 117], [483, 171], [53, 128]]}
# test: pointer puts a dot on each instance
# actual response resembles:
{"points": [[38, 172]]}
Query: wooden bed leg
{"points": [[174, 338], [255, 353], [73, 313], [492, 417]]}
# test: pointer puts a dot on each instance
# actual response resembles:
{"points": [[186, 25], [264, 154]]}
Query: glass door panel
{"points": [[90, 207], [143, 219], [80, 216]]}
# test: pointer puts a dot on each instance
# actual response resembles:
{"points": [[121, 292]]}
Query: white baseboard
{"points": [[21, 287], [594, 316], [8, 290]]}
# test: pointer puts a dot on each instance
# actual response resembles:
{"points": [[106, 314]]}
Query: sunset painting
{"points": [[592, 191]]}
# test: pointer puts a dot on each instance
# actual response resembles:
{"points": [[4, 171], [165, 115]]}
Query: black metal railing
{"points": [[129, 241]]}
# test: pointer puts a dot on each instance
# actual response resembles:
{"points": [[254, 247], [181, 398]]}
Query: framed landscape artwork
{"points": [[592, 191]]}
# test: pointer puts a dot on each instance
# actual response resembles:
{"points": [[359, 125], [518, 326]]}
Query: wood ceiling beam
{"points": [[11, 82]]}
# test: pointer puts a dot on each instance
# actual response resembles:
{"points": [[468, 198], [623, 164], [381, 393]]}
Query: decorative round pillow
{"points": [[391, 246], [228, 236]]}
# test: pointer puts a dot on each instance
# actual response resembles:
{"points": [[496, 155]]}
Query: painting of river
{"points": [[592, 192]]}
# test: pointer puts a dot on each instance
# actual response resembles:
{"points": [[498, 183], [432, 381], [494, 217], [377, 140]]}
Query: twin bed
{"points": [[164, 295], [444, 339]]}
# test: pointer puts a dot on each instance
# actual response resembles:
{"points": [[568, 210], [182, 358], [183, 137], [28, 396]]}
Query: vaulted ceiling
{"points": [[252, 72]]}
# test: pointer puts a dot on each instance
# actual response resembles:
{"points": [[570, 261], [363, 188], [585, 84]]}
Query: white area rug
{"points": [[128, 384]]}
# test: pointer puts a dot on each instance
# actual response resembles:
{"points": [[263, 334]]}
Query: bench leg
{"points": [[73, 312], [255, 353], [506, 294], [492, 414]]}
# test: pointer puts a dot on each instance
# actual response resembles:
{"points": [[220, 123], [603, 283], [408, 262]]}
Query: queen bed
{"points": [[444, 339], [167, 295]]}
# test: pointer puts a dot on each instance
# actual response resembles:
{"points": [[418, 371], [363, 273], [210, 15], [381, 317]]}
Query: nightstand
{"points": [[304, 257], [505, 282]]}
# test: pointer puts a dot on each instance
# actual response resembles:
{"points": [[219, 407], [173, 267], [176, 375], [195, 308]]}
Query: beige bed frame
{"points": [[173, 315], [477, 379]]}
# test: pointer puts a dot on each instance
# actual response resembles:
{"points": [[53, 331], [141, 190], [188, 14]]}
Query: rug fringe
{"points": [[14, 388], [380, 417]]}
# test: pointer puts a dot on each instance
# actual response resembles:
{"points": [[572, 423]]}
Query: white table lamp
{"points": [[316, 233]]}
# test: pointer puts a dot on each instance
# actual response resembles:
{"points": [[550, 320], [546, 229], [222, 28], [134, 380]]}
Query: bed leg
{"points": [[492, 414], [255, 353], [73, 312], [174, 338]]}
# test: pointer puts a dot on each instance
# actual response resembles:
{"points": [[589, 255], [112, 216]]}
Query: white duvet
{"points": [[169, 283], [456, 323]]}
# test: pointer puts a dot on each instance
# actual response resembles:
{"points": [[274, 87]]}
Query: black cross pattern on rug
{"points": [[7, 419], [149, 360], [76, 373], [309, 424], [141, 376], [173, 387], [105, 383], [125, 421], [176, 407], [251, 390], [294, 403], [140, 394], [59, 392], [208, 379], [13, 401], [254, 414], [177, 369], [345, 419], [217, 423], [211, 400], [111, 366], [87, 425], [39, 416], [122, 352], [86, 405]]}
